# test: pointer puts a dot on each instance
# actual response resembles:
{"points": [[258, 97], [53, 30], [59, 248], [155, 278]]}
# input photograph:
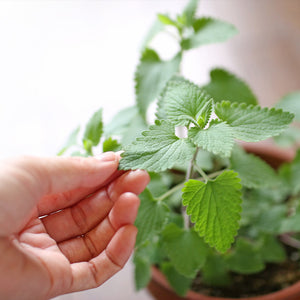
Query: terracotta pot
{"points": [[159, 286]]}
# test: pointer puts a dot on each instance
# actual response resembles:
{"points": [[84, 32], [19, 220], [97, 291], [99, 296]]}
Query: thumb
{"points": [[24, 181]]}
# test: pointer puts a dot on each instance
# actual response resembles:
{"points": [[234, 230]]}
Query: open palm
{"points": [[65, 224]]}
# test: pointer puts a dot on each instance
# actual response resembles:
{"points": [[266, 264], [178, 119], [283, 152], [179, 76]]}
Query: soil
{"points": [[275, 277]]}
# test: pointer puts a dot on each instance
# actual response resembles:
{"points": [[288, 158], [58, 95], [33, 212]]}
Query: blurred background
{"points": [[62, 60]]}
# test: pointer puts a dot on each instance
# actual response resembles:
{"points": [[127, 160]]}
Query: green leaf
{"points": [[142, 272], [291, 103], [253, 171], [189, 12], [94, 128], [120, 122], [185, 249], [204, 160], [252, 123], [208, 31], [111, 145], [151, 219], [272, 250], [224, 85], [217, 138], [215, 208], [178, 282], [215, 271], [71, 141], [157, 150], [151, 76], [166, 20], [291, 223], [288, 138], [159, 184], [155, 28], [184, 102], [245, 259]]}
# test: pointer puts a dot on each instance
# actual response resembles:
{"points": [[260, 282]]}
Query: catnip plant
{"points": [[211, 208]]}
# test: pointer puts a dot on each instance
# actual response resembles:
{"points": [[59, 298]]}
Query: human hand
{"points": [[65, 223]]}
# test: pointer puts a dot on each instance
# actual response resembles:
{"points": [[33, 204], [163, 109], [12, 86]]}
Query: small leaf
{"points": [[245, 259], [215, 208], [151, 219], [121, 121], [157, 150], [178, 282], [253, 171], [189, 12], [252, 123], [291, 103], [71, 141], [166, 20], [151, 76], [185, 249], [272, 250], [208, 31], [224, 85], [94, 129], [142, 272], [111, 145], [184, 101], [215, 271], [155, 28], [217, 138]]}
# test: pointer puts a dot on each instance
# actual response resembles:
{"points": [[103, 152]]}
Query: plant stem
{"points": [[202, 173], [290, 241]]}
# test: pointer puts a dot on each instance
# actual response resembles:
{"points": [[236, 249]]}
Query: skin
{"points": [[66, 224]]}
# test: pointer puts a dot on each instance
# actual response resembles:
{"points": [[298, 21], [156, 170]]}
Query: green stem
{"points": [[181, 185], [202, 173]]}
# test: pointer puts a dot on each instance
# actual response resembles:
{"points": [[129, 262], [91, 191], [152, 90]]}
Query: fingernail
{"points": [[107, 156]]}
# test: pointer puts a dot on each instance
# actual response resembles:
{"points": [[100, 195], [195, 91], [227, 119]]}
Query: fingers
{"points": [[86, 214], [24, 181], [91, 274], [86, 247]]}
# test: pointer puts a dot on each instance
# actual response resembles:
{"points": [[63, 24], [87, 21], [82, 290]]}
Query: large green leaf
{"points": [[217, 138], [184, 102], [142, 272], [94, 129], [245, 259], [208, 31], [178, 282], [151, 76], [185, 249], [291, 103], [253, 171], [224, 85], [252, 123], [157, 150], [151, 219], [272, 250], [215, 208]]}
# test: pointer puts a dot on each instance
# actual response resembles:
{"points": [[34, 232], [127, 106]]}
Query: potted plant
{"points": [[215, 218]]}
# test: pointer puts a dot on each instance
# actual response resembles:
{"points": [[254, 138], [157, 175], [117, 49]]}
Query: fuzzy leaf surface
{"points": [[178, 282], [157, 150], [94, 128], [208, 31], [253, 171], [185, 249], [184, 101], [217, 138], [215, 208], [151, 76], [151, 219], [224, 85], [252, 123]]}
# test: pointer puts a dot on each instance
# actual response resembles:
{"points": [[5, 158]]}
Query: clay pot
{"points": [[159, 286]]}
